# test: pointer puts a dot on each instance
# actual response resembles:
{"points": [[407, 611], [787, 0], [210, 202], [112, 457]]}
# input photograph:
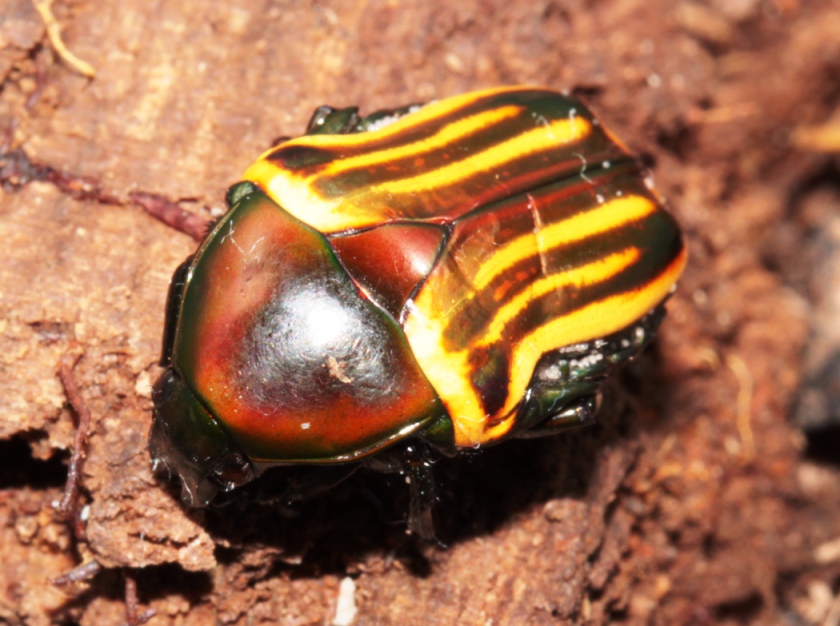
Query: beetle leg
{"points": [[422, 493], [414, 461], [326, 120], [581, 412]]}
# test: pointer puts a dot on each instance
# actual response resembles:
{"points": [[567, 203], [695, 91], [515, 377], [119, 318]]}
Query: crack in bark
{"points": [[17, 170]]}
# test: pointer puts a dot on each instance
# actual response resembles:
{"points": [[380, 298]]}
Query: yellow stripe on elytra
{"points": [[494, 158], [449, 135], [440, 108], [608, 216], [594, 272], [450, 372], [598, 319], [296, 194], [428, 113]]}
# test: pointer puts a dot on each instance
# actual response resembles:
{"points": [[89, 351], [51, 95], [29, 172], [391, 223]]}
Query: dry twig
{"points": [[54, 34], [132, 617], [83, 572], [171, 214], [71, 489], [745, 392]]}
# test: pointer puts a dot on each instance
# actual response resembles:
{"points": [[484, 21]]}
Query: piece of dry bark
{"points": [[662, 514]]}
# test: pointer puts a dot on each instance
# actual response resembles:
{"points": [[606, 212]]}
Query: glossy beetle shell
{"points": [[465, 273]]}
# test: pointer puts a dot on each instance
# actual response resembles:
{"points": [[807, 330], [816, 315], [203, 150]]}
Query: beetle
{"points": [[439, 277]]}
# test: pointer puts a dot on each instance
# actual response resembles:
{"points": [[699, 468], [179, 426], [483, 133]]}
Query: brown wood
{"points": [[693, 501]]}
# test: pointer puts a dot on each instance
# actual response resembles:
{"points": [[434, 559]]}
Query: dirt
{"points": [[708, 493]]}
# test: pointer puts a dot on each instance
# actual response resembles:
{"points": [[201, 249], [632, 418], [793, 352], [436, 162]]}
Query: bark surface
{"points": [[695, 498]]}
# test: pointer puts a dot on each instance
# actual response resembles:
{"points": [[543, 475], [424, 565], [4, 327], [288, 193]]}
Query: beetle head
{"points": [[187, 441]]}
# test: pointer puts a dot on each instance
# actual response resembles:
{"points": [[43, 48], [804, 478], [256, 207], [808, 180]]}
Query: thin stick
{"points": [[131, 603], [54, 34], [745, 393], [81, 573], [171, 214], [71, 389]]}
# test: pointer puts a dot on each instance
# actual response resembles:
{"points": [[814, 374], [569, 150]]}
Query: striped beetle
{"points": [[440, 277]]}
